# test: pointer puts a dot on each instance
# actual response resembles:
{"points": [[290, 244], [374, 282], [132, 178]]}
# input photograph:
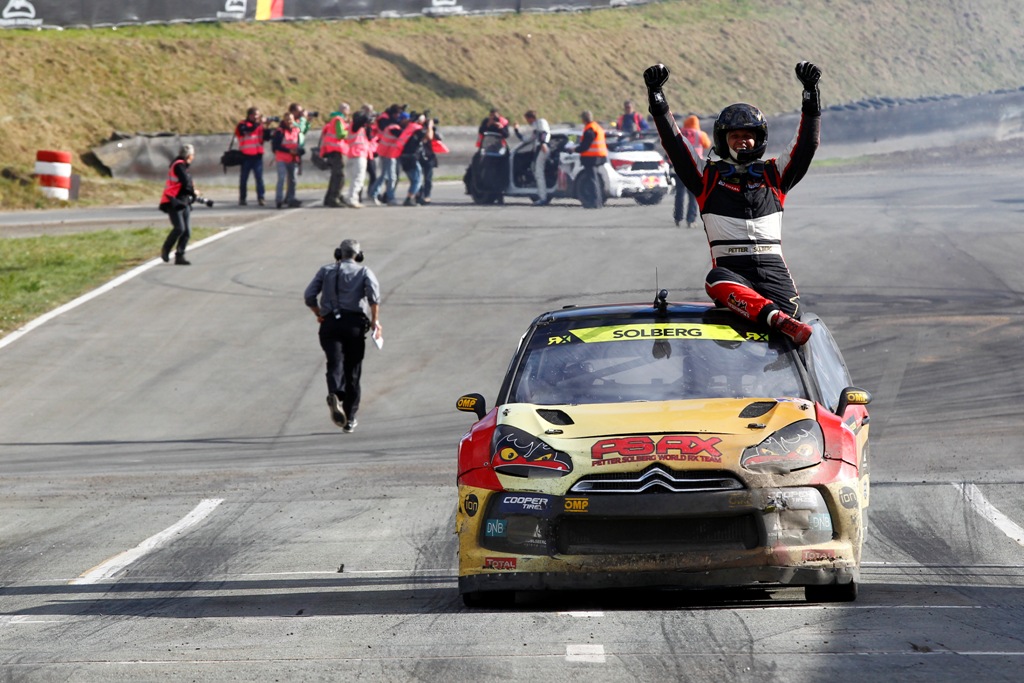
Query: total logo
{"points": [[505, 563], [19, 13]]}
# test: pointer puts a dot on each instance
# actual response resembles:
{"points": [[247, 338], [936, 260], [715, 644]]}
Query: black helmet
{"points": [[741, 117]]}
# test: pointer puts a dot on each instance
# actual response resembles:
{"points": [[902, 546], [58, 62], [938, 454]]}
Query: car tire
{"points": [[586, 191], [489, 599], [832, 592]]}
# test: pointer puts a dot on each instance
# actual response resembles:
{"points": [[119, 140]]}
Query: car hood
{"points": [[572, 441], [720, 416]]}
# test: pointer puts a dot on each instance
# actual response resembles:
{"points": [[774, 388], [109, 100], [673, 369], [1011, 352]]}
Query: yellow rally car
{"points": [[665, 445]]}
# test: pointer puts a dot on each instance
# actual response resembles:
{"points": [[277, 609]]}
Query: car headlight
{"points": [[792, 448], [518, 453]]}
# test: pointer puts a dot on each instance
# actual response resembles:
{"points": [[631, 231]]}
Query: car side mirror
{"points": [[472, 403], [852, 396]]}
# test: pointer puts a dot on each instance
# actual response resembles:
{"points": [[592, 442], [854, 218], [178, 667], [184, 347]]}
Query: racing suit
{"points": [[540, 137], [741, 205]]}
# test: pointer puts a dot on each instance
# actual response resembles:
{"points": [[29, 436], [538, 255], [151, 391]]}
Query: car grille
{"points": [[657, 479], [583, 536]]}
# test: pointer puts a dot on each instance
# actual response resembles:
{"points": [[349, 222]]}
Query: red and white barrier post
{"points": [[53, 173]]}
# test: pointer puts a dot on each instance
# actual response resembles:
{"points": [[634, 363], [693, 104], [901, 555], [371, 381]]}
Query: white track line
{"points": [[119, 562], [593, 654], [973, 495], [116, 282]]}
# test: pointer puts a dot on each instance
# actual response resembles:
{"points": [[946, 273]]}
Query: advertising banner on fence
{"points": [[101, 13]]}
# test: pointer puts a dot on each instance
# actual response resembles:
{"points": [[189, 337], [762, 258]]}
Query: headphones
{"points": [[349, 248]]}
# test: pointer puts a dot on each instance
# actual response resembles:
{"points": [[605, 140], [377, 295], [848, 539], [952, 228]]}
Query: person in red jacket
{"points": [[288, 154], [631, 122], [176, 202], [251, 134], [741, 199], [334, 150], [701, 143]]}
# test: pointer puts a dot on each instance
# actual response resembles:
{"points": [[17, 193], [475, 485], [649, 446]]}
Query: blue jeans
{"points": [[684, 195], [252, 163], [388, 177], [411, 167], [286, 171]]}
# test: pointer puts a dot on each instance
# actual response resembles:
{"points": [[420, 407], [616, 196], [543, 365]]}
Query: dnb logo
{"points": [[678, 447]]}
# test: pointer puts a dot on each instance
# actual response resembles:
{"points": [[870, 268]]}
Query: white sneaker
{"points": [[351, 426], [337, 412], [353, 205]]}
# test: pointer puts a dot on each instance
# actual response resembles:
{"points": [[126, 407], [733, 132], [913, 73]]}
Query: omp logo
{"points": [[499, 563], [466, 403], [19, 13], [576, 504], [740, 499]]}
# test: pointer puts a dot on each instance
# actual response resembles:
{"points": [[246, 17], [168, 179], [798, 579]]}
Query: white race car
{"points": [[634, 169]]}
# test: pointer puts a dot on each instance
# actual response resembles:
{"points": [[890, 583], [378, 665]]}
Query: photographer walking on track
{"points": [[741, 199], [176, 202], [349, 307]]}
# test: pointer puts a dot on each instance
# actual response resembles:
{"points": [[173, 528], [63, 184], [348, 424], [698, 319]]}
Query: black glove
{"points": [[655, 78], [808, 74]]}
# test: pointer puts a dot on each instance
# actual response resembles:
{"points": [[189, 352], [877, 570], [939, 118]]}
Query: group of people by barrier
{"points": [[366, 149]]}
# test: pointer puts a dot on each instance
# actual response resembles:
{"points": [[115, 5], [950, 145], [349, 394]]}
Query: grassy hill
{"points": [[70, 89]]}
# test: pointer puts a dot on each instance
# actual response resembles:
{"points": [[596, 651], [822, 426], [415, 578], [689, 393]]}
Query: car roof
{"points": [[673, 310]]}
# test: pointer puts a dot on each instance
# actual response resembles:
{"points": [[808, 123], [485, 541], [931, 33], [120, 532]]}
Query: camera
{"points": [[273, 119], [199, 199], [312, 114]]}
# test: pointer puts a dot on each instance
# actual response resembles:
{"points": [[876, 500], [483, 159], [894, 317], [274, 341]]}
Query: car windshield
{"points": [[613, 362]]}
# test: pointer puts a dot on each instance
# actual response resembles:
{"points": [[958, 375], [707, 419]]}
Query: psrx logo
{"points": [[668, 447]]}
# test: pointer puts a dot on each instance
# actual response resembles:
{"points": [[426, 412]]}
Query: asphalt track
{"points": [[176, 503]]}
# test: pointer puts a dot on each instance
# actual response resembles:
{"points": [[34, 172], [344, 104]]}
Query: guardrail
{"points": [[102, 13]]}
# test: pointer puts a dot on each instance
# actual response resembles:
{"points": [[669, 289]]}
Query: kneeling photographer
{"points": [[176, 202]]}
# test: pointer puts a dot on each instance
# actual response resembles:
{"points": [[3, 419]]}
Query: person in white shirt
{"points": [[541, 136]]}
